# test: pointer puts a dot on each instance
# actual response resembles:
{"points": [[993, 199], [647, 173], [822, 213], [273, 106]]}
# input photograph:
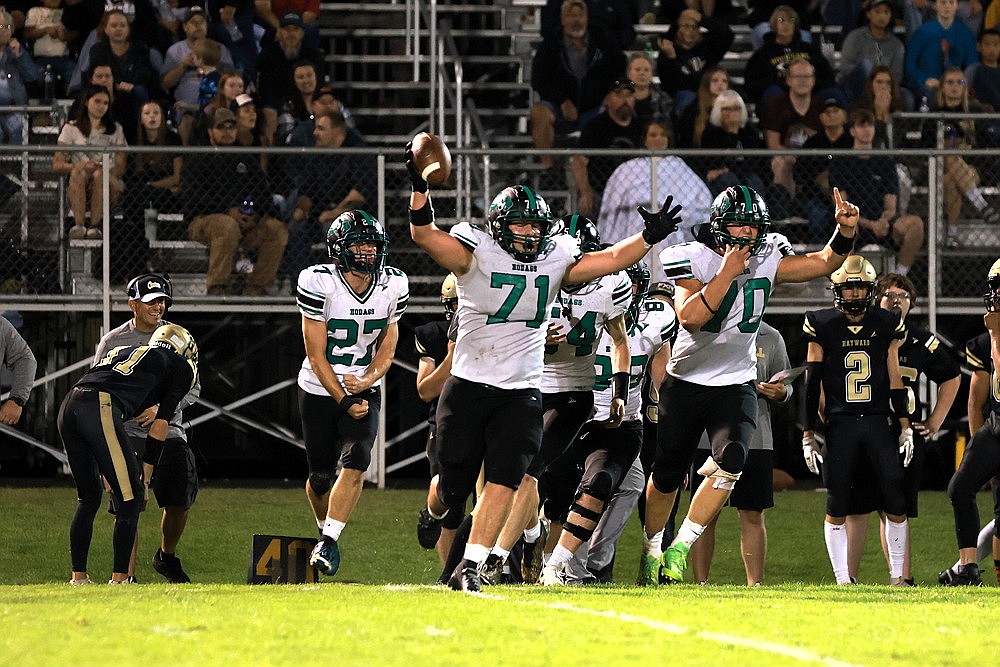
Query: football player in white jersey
{"points": [[349, 308], [582, 313], [490, 411], [607, 445], [723, 284]]}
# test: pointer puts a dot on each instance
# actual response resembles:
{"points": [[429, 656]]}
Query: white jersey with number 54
{"points": [[723, 351], [353, 322], [503, 307]]}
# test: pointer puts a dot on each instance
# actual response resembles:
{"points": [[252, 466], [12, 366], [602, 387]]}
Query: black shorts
{"points": [[563, 415], [866, 237], [867, 496], [332, 435], [175, 475], [848, 440], [480, 425], [755, 489], [608, 450], [728, 413]]}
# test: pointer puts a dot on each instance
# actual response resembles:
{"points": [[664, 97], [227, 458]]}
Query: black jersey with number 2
{"points": [[139, 376], [855, 367]]}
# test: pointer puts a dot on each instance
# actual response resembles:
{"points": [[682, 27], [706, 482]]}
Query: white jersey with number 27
{"points": [[353, 321]]}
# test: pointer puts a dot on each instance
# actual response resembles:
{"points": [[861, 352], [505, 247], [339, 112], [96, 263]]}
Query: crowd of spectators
{"points": [[223, 73], [169, 69], [800, 88]]}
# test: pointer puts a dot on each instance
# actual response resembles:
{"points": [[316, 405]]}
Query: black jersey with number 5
{"points": [[139, 376], [855, 367]]}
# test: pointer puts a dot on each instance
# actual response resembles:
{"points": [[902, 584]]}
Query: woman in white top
{"points": [[632, 185], [93, 125]]}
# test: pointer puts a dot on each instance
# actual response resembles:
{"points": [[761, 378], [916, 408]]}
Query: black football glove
{"points": [[661, 224], [417, 181]]}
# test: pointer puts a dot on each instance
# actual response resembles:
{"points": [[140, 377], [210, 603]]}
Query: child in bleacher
{"points": [[44, 25], [207, 56]]}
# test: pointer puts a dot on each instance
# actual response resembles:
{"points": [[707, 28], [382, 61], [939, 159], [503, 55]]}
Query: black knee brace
{"points": [[734, 457], [600, 485], [320, 483], [578, 531]]}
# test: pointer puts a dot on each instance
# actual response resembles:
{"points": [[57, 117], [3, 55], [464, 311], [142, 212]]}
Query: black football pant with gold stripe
{"points": [[96, 445]]}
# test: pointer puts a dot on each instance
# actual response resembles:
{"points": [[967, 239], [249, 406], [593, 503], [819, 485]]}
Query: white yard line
{"points": [[804, 655]]}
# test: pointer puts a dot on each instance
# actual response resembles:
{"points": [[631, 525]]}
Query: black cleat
{"points": [[169, 566], [967, 575], [491, 570], [428, 529], [465, 578]]}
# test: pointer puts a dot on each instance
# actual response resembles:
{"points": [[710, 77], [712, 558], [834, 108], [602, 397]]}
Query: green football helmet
{"points": [[739, 205], [351, 228], [639, 274], [584, 230], [520, 204]]}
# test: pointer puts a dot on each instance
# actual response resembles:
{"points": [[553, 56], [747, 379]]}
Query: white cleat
{"points": [[553, 575]]}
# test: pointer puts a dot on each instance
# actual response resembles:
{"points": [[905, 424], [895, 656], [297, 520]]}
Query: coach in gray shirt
{"points": [[15, 355], [174, 475]]}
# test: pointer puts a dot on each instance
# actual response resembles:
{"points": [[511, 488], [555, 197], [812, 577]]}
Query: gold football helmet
{"points": [[855, 272]]}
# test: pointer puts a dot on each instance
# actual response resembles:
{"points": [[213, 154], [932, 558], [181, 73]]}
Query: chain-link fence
{"points": [[240, 222]]}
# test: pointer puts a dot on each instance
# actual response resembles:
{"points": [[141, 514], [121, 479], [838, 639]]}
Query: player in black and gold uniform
{"points": [[982, 456], [853, 355], [127, 381], [920, 354], [435, 351]]}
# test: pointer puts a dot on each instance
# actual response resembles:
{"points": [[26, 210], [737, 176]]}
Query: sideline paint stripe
{"points": [[769, 647]]}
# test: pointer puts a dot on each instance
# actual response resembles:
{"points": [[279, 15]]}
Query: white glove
{"points": [[810, 452], [906, 445]]}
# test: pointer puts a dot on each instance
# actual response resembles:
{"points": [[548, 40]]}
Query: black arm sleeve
{"points": [[814, 377]]}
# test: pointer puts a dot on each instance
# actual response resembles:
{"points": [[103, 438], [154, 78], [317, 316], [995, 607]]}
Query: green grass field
{"points": [[381, 609]]}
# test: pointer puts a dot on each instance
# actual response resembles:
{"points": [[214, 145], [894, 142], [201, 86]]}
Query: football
{"points": [[432, 158]]}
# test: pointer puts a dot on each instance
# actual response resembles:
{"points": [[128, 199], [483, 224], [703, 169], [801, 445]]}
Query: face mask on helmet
{"points": [[857, 272], [992, 295], [740, 206], [520, 205], [347, 235], [639, 274], [449, 295], [584, 230]]}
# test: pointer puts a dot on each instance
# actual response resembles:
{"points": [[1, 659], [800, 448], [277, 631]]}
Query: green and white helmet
{"points": [[351, 228], [520, 204], [739, 205]]}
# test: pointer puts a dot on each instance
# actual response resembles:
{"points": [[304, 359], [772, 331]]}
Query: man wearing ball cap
{"points": [[490, 410]]}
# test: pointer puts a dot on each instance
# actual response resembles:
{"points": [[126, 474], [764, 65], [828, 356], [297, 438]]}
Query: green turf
{"points": [[392, 616]]}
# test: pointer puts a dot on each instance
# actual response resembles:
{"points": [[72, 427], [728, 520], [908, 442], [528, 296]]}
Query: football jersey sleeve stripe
{"points": [[468, 240], [974, 362], [808, 328], [310, 301]]}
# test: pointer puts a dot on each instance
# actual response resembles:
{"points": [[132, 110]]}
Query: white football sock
{"points": [[503, 553], [689, 532], [895, 538], [560, 555], [333, 528], [532, 534], [653, 545], [477, 553], [836, 547]]}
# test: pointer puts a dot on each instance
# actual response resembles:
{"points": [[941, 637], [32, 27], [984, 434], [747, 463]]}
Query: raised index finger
{"points": [[837, 199]]}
